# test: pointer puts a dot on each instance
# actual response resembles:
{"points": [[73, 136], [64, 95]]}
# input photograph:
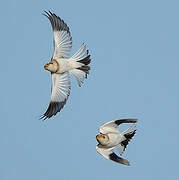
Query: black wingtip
{"points": [[46, 13], [56, 22], [53, 109], [118, 159], [120, 121], [43, 118]]}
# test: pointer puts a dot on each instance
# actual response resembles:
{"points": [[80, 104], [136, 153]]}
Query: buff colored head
{"points": [[52, 66], [102, 139]]}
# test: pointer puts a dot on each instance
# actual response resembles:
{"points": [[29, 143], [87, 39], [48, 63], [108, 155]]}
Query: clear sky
{"points": [[134, 47]]}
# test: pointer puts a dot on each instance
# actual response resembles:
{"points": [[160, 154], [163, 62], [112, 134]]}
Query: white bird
{"points": [[110, 137], [61, 65]]}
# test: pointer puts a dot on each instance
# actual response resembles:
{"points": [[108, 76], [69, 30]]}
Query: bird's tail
{"points": [[81, 60], [129, 133]]}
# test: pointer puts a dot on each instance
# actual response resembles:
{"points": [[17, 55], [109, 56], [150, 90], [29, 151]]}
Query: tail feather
{"points": [[85, 68], [130, 129], [85, 60], [82, 59], [81, 53], [128, 137], [128, 134], [79, 75]]}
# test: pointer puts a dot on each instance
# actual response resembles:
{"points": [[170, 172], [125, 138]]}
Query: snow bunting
{"points": [[110, 137], [61, 65]]}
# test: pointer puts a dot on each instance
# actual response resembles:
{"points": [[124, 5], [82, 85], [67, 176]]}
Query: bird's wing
{"points": [[59, 94], [111, 126], [109, 154], [61, 36]]}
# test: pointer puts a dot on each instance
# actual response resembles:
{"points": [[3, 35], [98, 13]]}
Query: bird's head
{"points": [[52, 66], [102, 139]]}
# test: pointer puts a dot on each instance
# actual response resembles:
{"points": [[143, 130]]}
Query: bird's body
{"points": [[61, 65], [113, 139], [110, 137]]}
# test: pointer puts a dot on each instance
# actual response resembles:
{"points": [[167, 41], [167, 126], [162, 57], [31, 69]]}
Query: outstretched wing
{"points": [[61, 36], [59, 94], [111, 126], [109, 154]]}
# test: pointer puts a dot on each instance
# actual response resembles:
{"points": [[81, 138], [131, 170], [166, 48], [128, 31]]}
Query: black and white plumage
{"points": [[61, 65], [110, 137]]}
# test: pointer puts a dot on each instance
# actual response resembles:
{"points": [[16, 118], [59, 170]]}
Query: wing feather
{"points": [[59, 94], [61, 36], [111, 126], [109, 154]]}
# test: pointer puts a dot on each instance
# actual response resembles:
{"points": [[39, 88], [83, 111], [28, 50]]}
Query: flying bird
{"points": [[110, 137], [61, 65]]}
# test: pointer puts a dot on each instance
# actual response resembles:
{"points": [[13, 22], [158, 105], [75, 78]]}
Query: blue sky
{"points": [[134, 74]]}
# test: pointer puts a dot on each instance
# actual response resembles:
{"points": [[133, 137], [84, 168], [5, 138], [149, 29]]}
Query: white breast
{"points": [[63, 65]]}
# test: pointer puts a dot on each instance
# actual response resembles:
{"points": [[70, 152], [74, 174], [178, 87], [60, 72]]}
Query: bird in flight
{"points": [[110, 137], [61, 65]]}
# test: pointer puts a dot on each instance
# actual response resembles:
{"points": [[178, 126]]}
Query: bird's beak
{"points": [[46, 67], [98, 137]]}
